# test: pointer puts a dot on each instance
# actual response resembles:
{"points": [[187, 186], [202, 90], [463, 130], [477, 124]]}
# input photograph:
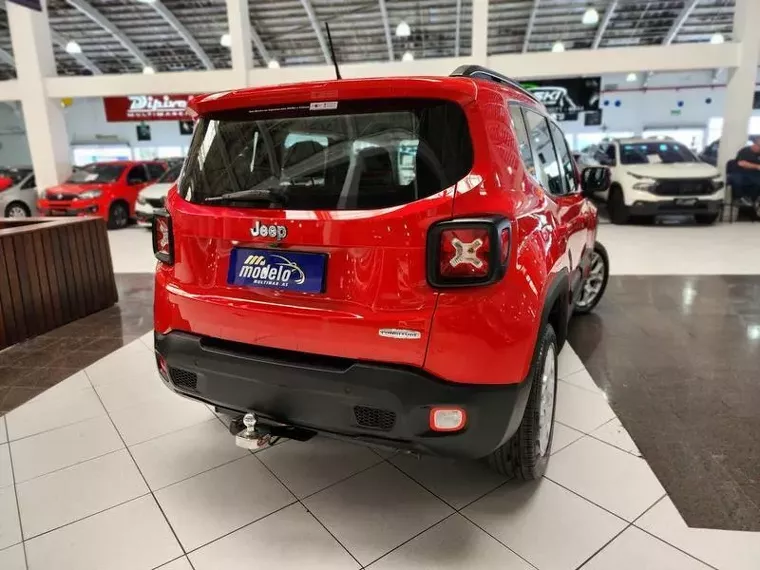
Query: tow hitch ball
{"points": [[250, 437]]}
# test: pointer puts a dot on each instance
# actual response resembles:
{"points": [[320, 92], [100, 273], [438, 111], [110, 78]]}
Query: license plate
{"points": [[277, 269], [686, 201]]}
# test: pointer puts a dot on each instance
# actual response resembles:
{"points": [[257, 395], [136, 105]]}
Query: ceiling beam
{"points": [[458, 28], [260, 47], [604, 24], [679, 21], [97, 17], [387, 28], [531, 23], [7, 58], [183, 32], [317, 29]]}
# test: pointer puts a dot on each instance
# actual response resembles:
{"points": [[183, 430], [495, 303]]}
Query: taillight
{"points": [[163, 237], [466, 252]]}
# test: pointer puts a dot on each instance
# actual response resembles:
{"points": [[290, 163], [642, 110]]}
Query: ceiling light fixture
{"points": [[273, 64], [146, 1], [148, 70], [403, 30], [717, 38], [631, 77], [226, 40], [590, 17], [558, 47], [73, 47], [408, 56]]}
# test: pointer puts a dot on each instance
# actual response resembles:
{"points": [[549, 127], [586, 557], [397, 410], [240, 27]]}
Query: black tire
{"points": [[706, 219], [756, 208], [118, 216], [585, 309], [521, 456], [17, 207], [616, 206]]}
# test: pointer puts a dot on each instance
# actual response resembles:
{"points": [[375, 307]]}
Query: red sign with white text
{"points": [[146, 108]]}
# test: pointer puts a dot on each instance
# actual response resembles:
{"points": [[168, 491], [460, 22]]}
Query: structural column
{"points": [[480, 32], [741, 80], [239, 23], [43, 117]]}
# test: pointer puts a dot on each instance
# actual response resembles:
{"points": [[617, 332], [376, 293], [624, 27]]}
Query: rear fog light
{"points": [[447, 419]]}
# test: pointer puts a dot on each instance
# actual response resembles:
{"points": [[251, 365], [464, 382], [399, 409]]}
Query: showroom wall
{"points": [[626, 106]]}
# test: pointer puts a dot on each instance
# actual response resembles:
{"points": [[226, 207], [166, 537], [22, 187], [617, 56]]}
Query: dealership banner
{"points": [[566, 98], [146, 108]]}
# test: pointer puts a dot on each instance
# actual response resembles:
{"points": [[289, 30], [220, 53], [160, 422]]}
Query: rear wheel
{"points": [[526, 455], [17, 210], [595, 282], [618, 210], [118, 216], [706, 219]]}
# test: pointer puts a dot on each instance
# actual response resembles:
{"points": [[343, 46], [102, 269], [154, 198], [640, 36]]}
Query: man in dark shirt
{"points": [[748, 158], [745, 181]]}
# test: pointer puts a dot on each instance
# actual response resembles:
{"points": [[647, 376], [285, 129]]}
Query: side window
{"points": [[30, 183], [137, 175], [547, 165], [565, 159], [518, 124], [155, 170]]}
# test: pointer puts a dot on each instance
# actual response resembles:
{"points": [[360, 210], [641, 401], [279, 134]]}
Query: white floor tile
{"points": [[307, 467], [219, 501], [549, 526], [179, 564], [184, 453], [10, 529], [564, 436], [53, 409], [607, 476], [148, 340], [73, 383], [6, 473], [73, 493], [637, 550], [615, 434], [456, 482], [134, 391], [3, 431], [62, 447], [568, 362], [133, 536], [581, 409], [13, 558], [288, 540], [455, 543], [130, 361], [159, 417], [582, 379], [723, 549], [376, 510]]}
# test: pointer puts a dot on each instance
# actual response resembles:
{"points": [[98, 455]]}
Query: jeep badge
{"points": [[271, 231]]}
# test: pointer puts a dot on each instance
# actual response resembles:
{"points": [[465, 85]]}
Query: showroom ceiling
{"points": [[175, 35]]}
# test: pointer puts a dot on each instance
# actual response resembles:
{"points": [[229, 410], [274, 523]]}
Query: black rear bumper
{"points": [[372, 402]]}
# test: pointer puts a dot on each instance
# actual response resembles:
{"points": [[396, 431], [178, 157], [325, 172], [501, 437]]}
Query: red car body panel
{"points": [[100, 206], [376, 276]]}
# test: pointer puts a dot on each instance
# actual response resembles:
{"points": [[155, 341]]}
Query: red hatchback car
{"points": [[392, 261], [105, 189]]}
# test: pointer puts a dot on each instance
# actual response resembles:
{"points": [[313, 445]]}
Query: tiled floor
{"points": [[109, 470]]}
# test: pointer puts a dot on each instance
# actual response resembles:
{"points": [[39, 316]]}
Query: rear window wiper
{"points": [[273, 195]]}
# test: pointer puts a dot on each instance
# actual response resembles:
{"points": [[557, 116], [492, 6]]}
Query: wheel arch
{"points": [[17, 202]]}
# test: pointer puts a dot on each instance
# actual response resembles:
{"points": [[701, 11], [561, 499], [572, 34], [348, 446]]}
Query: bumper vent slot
{"points": [[184, 379], [374, 418]]}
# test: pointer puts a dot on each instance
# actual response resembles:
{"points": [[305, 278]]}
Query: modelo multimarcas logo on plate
{"points": [[137, 108]]}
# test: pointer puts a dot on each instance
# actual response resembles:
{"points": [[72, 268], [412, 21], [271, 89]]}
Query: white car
{"points": [[651, 177], [152, 197]]}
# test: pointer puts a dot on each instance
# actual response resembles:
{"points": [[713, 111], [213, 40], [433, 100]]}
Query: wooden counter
{"points": [[52, 271]]}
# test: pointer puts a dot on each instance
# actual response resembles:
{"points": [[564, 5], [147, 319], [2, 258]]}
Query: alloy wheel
{"points": [[546, 406], [17, 212], [592, 287]]}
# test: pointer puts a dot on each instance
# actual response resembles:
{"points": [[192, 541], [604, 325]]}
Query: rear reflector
{"points": [[447, 419]]}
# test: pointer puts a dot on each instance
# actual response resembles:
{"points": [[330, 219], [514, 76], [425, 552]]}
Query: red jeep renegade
{"points": [[392, 261]]}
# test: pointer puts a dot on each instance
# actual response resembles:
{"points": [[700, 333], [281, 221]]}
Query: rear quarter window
{"points": [[357, 155]]}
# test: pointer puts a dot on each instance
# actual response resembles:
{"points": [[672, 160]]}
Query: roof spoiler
{"points": [[480, 72]]}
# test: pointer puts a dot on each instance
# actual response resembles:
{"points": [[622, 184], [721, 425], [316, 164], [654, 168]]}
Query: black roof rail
{"points": [[480, 72]]}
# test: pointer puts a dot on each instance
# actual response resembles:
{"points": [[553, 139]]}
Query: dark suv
{"points": [[392, 261]]}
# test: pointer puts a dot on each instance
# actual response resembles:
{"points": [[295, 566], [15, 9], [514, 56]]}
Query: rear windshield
{"points": [[655, 153], [102, 172], [329, 156]]}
